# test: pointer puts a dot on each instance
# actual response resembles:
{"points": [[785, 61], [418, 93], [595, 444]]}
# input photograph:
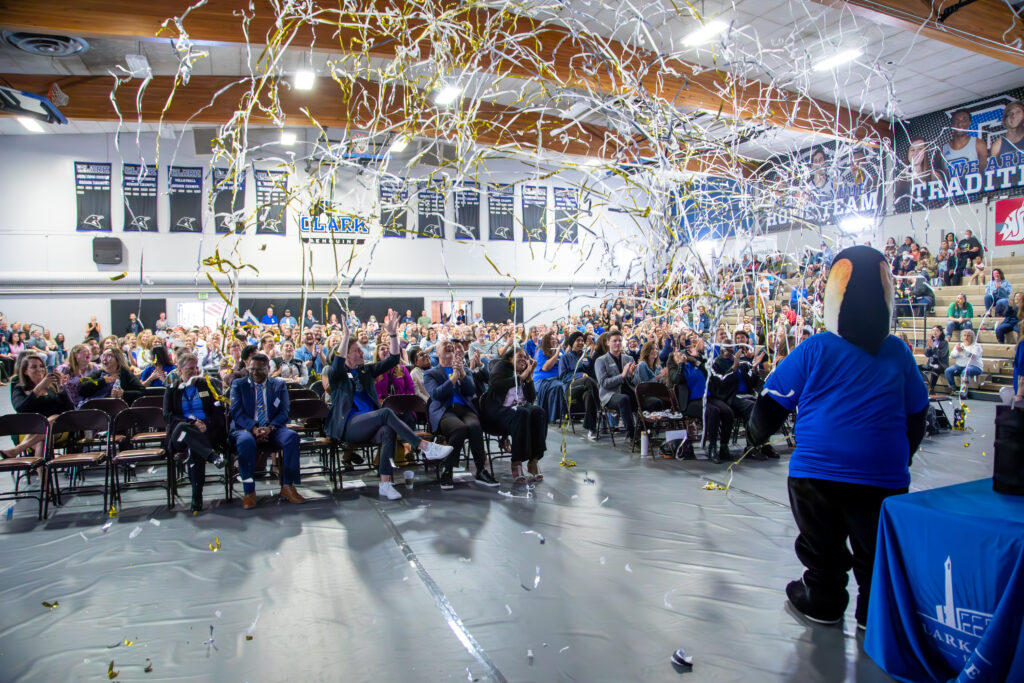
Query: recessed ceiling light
{"points": [[304, 79], [31, 125], [841, 57], [447, 95], [288, 137], [706, 33]]}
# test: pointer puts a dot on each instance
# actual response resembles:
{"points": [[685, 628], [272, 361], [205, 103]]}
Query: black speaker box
{"points": [[107, 250]]}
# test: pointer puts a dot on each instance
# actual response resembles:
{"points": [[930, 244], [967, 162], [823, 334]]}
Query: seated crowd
{"points": [[472, 379]]}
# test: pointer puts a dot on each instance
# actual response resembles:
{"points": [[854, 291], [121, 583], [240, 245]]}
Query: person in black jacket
{"points": [[731, 379], [113, 379], [508, 408], [688, 374], [936, 351], [196, 429], [37, 391]]}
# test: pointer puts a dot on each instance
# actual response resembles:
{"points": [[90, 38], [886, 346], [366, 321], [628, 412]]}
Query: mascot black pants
{"points": [[827, 513]]}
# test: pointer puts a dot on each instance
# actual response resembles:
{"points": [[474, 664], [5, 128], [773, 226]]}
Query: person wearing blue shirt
{"points": [[287, 320], [531, 344], [269, 318], [575, 372], [550, 392], [861, 405]]}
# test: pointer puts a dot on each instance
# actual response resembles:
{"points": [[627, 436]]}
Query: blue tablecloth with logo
{"points": [[947, 592]]}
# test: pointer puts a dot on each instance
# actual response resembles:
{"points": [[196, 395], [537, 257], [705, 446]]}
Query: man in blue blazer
{"points": [[259, 412], [451, 412]]}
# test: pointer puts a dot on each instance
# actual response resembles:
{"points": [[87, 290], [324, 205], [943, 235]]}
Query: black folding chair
{"points": [[295, 393], [76, 459], [21, 425], [645, 391], [149, 401], [311, 413], [125, 455]]}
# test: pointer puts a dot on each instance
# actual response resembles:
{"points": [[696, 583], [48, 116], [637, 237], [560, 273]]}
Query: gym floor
{"points": [[596, 574]]}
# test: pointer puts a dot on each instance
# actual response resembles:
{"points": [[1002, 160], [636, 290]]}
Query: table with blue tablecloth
{"points": [[947, 592]]}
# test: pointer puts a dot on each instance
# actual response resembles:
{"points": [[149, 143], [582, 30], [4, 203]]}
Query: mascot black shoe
{"points": [[862, 405]]}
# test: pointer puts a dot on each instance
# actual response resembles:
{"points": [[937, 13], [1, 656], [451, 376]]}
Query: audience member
{"points": [[36, 391], [960, 315], [508, 408], [997, 294], [1011, 318], [967, 356], [113, 379], [936, 353]]}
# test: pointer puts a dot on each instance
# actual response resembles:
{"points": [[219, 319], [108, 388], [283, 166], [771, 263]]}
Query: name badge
{"points": [[277, 402], [204, 394]]}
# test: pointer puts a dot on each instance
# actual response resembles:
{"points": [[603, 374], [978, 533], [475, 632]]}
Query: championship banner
{"points": [[92, 193], [139, 197], [271, 198], [467, 211], [430, 210], [185, 189], [535, 205], [393, 195], [823, 185], [961, 154], [501, 206], [1009, 222], [567, 211], [710, 209], [228, 201]]}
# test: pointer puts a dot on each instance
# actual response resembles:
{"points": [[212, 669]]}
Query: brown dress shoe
{"points": [[249, 501], [289, 493]]}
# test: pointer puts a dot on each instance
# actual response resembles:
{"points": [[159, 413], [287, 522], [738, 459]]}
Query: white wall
{"points": [[47, 274]]}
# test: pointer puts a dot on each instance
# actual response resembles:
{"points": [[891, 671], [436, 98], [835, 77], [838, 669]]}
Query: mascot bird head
{"points": [[858, 297]]}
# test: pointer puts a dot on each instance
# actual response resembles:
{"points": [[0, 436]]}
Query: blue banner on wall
{"points": [[139, 189], [92, 194], [185, 192]]}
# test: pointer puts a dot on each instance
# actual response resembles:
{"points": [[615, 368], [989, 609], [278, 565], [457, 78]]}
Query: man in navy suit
{"points": [[451, 412], [259, 412]]}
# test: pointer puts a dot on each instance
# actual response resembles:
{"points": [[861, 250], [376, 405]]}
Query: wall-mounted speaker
{"points": [[107, 250]]}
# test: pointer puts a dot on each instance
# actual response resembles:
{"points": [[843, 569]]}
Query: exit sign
{"points": [[204, 295]]}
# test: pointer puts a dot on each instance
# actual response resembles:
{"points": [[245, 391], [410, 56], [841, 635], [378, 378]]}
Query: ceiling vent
{"points": [[44, 45]]}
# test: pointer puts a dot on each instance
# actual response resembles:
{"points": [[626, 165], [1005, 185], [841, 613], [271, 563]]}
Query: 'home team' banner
{"points": [[228, 201], [467, 211], [185, 192], [960, 154], [430, 210], [139, 198], [535, 205], [822, 185], [393, 195], [1009, 222], [92, 195], [501, 208], [271, 197]]}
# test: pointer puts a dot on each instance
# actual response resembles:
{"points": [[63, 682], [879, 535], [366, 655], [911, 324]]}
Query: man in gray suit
{"points": [[615, 378]]}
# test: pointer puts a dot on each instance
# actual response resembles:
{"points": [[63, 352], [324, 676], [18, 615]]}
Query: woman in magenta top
{"points": [[395, 381]]}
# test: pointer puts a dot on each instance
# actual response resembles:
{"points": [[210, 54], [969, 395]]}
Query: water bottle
{"points": [[409, 476], [645, 444]]}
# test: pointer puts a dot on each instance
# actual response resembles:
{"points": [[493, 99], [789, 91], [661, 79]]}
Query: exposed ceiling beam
{"points": [[985, 27], [571, 60], [364, 105]]}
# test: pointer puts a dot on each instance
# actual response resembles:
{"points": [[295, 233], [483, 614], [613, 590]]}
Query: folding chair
{"points": [[656, 390], [73, 459], [149, 401], [110, 406], [24, 424], [128, 423], [312, 414], [296, 393]]}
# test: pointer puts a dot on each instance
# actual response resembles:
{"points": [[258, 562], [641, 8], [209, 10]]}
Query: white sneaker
{"points": [[387, 490], [436, 451], [592, 435]]}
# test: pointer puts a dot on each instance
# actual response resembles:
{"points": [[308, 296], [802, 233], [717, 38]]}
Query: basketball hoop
{"points": [[57, 96]]}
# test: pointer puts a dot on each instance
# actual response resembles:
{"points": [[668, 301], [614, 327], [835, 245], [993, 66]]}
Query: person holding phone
{"points": [[36, 391]]}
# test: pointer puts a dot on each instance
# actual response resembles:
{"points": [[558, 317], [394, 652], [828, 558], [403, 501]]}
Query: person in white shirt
{"points": [[420, 360], [965, 359]]}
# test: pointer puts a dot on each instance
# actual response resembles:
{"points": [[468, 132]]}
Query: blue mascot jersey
{"points": [[851, 423]]}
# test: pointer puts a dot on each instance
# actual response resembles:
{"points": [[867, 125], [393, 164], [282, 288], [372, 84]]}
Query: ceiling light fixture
{"points": [[31, 125], [399, 144], [447, 95], [288, 137], [839, 58], [304, 79], [706, 33], [138, 66]]}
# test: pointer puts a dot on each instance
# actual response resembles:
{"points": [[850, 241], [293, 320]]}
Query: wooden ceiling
{"points": [[551, 54], [986, 27]]}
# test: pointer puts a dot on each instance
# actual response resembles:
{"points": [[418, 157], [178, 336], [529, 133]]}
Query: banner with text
{"points": [[271, 197], [501, 208], [430, 210], [92, 194], [535, 206], [960, 154], [467, 211], [393, 212], [228, 201], [185, 190], [139, 198]]}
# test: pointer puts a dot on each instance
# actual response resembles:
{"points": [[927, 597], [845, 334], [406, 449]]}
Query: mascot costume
{"points": [[861, 405]]}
